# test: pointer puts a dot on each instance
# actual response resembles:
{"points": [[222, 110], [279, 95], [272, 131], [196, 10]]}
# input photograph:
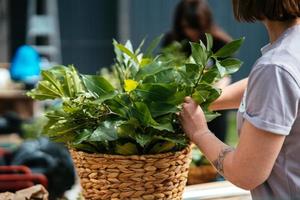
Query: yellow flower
{"points": [[130, 85]]}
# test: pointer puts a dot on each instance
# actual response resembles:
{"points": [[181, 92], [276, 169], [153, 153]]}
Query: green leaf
{"points": [[186, 79], [145, 61], [138, 50], [106, 131], [221, 69], [159, 92], [127, 129], [163, 126], [60, 130], [128, 52], [153, 45], [209, 41], [161, 108], [118, 106], [143, 139], [142, 113], [44, 91], [69, 79], [165, 123], [206, 93], [211, 115], [57, 82], [85, 147], [230, 48], [232, 65], [82, 136], [68, 84], [77, 84], [118, 54], [151, 69], [162, 147], [174, 138], [197, 96], [193, 70], [210, 76], [167, 76], [106, 97], [98, 86], [126, 149], [179, 96], [128, 45], [199, 53], [50, 77]]}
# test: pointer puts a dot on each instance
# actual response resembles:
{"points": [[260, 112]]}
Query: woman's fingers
{"points": [[188, 100], [189, 105], [185, 106]]}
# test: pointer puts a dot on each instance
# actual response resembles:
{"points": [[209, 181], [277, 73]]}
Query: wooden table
{"points": [[17, 101], [216, 191]]}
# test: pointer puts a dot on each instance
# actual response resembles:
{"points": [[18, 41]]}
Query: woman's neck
{"points": [[277, 28]]}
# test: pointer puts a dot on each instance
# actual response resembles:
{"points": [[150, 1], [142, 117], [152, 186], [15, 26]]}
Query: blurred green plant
{"points": [[111, 75], [33, 129], [175, 53], [198, 159], [140, 115]]}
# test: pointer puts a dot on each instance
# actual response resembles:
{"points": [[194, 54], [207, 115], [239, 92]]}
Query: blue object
{"points": [[25, 66]]}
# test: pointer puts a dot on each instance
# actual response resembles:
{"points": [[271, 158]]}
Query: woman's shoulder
{"points": [[275, 72], [279, 59], [283, 53]]}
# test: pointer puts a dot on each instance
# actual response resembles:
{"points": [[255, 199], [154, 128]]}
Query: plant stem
{"points": [[198, 80]]}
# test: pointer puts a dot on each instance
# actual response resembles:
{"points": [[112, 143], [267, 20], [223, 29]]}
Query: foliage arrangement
{"points": [[33, 129], [139, 115]]}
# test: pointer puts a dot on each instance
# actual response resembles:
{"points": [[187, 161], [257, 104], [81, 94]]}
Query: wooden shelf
{"points": [[17, 101], [13, 94], [4, 65]]}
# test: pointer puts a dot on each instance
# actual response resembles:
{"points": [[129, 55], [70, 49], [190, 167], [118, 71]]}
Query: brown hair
{"points": [[275, 10], [197, 15]]}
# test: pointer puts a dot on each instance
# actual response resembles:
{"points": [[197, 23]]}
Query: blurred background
{"points": [[88, 26], [80, 32]]}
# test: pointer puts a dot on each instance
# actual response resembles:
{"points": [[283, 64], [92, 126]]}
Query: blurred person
{"points": [[50, 159], [192, 19], [266, 159]]}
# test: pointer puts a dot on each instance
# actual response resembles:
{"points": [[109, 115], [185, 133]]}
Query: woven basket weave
{"points": [[161, 176]]}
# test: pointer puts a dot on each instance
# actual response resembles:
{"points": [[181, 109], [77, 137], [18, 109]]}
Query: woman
{"points": [[266, 159], [192, 19]]}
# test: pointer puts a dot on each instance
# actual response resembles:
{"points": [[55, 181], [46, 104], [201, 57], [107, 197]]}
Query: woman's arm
{"points": [[247, 166], [231, 96]]}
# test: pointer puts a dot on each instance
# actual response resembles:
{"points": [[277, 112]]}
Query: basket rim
{"points": [[186, 150]]}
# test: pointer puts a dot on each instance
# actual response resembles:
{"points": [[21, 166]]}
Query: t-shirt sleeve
{"points": [[272, 99]]}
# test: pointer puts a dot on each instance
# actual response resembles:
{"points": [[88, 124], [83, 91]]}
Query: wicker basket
{"points": [[201, 174], [161, 176]]}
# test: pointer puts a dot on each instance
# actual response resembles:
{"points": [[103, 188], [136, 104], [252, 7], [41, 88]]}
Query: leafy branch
{"points": [[138, 116]]}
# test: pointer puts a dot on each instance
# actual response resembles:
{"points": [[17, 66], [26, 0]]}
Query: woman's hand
{"points": [[193, 119]]}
